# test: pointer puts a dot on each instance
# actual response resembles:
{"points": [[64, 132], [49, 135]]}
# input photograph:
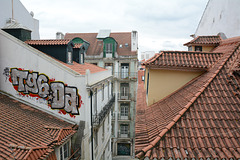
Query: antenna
{"points": [[12, 9]]}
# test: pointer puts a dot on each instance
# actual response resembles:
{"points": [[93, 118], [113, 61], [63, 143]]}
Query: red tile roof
{"points": [[81, 68], [205, 40], [23, 131], [96, 46], [183, 59], [48, 42], [77, 45], [200, 120]]}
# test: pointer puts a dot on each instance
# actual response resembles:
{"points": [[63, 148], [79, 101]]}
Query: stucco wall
{"points": [[204, 48], [164, 82], [20, 14], [16, 54], [220, 16]]}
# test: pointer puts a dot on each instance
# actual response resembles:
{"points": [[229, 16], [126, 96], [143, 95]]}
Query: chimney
{"points": [[134, 41], [59, 35]]}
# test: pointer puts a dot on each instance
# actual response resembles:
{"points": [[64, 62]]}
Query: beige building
{"points": [[118, 53]]}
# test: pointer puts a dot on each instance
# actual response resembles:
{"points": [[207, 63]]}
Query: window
{"points": [[124, 129], [109, 49], [123, 148], [198, 48], [124, 91], [65, 151], [102, 92], [124, 110], [124, 70], [69, 57], [190, 48]]}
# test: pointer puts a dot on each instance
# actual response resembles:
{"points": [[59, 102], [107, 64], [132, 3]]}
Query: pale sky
{"points": [[161, 24]]}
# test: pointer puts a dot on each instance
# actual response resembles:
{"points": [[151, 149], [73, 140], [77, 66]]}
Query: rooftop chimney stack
{"points": [[134, 41], [59, 35]]}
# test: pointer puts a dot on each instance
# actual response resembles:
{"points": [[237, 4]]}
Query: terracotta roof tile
{"points": [[205, 40], [23, 132], [183, 60], [77, 45], [81, 68], [96, 46], [48, 42], [203, 125]]}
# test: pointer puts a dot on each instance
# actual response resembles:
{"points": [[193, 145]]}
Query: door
{"points": [[124, 70]]}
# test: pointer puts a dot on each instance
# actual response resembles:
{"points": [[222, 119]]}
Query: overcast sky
{"points": [[161, 24]]}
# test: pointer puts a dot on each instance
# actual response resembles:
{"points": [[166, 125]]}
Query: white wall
{"points": [[16, 54], [220, 16], [21, 15]]}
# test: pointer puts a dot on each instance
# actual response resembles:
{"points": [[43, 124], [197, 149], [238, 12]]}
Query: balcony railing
{"points": [[97, 119], [125, 75], [124, 96], [121, 117], [124, 135]]}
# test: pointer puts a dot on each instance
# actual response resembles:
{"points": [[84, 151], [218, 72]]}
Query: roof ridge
{"points": [[187, 106]]}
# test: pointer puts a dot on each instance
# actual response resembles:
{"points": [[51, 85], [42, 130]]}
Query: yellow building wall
{"points": [[164, 82], [204, 48]]}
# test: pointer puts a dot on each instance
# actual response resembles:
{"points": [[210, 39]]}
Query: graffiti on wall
{"points": [[56, 93]]}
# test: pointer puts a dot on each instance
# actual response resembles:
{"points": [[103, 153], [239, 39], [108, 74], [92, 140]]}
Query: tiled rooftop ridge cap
{"points": [[214, 39], [221, 64], [48, 42], [184, 59]]}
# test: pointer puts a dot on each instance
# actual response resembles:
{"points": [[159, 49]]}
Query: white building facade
{"points": [[220, 16], [13, 10], [118, 53], [35, 78]]}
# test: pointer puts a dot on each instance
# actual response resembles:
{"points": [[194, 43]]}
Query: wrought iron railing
{"points": [[125, 75], [97, 119], [124, 135], [124, 96]]}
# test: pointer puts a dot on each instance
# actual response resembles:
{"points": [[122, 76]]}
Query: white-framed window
{"points": [[109, 49], [124, 110], [69, 57], [65, 151], [124, 129]]}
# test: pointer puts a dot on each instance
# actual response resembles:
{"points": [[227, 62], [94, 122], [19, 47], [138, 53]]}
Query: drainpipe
{"points": [[91, 94]]}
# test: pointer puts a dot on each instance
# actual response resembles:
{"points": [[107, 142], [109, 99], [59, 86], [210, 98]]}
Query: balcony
{"points": [[124, 96], [124, 135], [126, 75], [97, 119], [121, 117]]}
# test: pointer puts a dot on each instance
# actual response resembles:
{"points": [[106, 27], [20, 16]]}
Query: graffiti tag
{"points": [[59, 95]]}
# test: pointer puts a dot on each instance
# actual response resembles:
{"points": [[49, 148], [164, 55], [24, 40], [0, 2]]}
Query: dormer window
{"points": [[198, 48], [69, 57], [190, 48], [109, 49]]}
